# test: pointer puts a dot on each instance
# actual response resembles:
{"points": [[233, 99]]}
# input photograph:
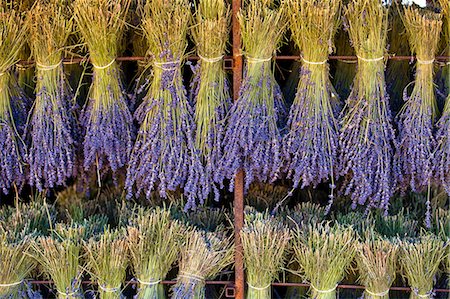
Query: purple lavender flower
{"points": [[108, 123], [311, 146], [252, 139], [164, 156], [211, 100], [12, 122], [441, 158], [366, 141], [51, 155]]}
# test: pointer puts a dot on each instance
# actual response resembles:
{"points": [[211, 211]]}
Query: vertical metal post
{"points": [[239, 181]]}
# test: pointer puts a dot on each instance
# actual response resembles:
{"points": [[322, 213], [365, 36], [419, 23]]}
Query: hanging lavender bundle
{"points": [[164, 155], [12, 102], [210, 89], [311, 146], [106, 119], [53, 127], [441, 159], [367, 136], [416, 119], [252, 139]]}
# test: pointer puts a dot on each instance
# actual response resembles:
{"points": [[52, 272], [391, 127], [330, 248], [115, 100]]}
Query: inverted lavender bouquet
{"points": [[367, 136], [252, 140], [12, 103], [311, 146], [417, 117], [106, 118], [210, 89], [164, 156], [441, 161], [53, 127]]}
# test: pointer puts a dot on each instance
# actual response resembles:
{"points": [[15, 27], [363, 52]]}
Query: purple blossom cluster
{"points": [[213, 149], [187, 290], [311, 146], [367, 144], [415, 146], [51, 156], [441, 158], [12, 123], [164, 155], [253, 139], [107, 123]]}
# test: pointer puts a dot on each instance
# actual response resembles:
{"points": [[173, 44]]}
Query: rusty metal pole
{"points": [[239, 181]]}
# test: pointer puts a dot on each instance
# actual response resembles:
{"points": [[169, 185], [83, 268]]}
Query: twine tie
{"points": [[426, 295], [148, 283], [314, 62], [431, 61], [192, 276], [109, 290], [103, 66], [7, 285], [370, 59], [43, 67], [323, 291], [162, 64], [258, 60], [381, 294], [258, 288], [66, 294], [210, 59]]}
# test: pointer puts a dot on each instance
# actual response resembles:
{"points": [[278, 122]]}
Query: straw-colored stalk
{"points": [[420, 260], [209, 88], [324, 254], [419, 113], [202, 257], [265, 242], [15, 267], [154, 242], [377, 265], [441, 228], [106, 117], [400, 225], [107, 261], [60, 259], [312, 142]]}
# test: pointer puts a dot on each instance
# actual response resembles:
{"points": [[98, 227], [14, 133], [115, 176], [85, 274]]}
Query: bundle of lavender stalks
{"points": [[106, 119], [53, 128], [210, 92], [13, 111], [417, 117], [311, 146], [164, 156], [367, 136], [252, 141]]}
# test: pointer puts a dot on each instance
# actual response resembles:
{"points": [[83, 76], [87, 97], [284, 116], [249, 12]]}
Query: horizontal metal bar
{"points": [[280, 57], [169, 282], [349, 286], [275, 284]]}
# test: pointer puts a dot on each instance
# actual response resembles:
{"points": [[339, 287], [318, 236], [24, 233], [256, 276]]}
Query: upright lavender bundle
{"points": [[252, 138], [52, 122], [12, 102], [210, 89], [106, 119], [164, 155], [311, 146], [367, 136], [416, 118], [441, 158]]}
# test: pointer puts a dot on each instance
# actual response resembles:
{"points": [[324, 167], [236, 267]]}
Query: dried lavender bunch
{"points": [[164, 155], [209, 88], [367, 136], [12, 102], [202, 257], [252, 138], [441, 158], [106, 119], [311, 146], [53, 126], [416, 119]]}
